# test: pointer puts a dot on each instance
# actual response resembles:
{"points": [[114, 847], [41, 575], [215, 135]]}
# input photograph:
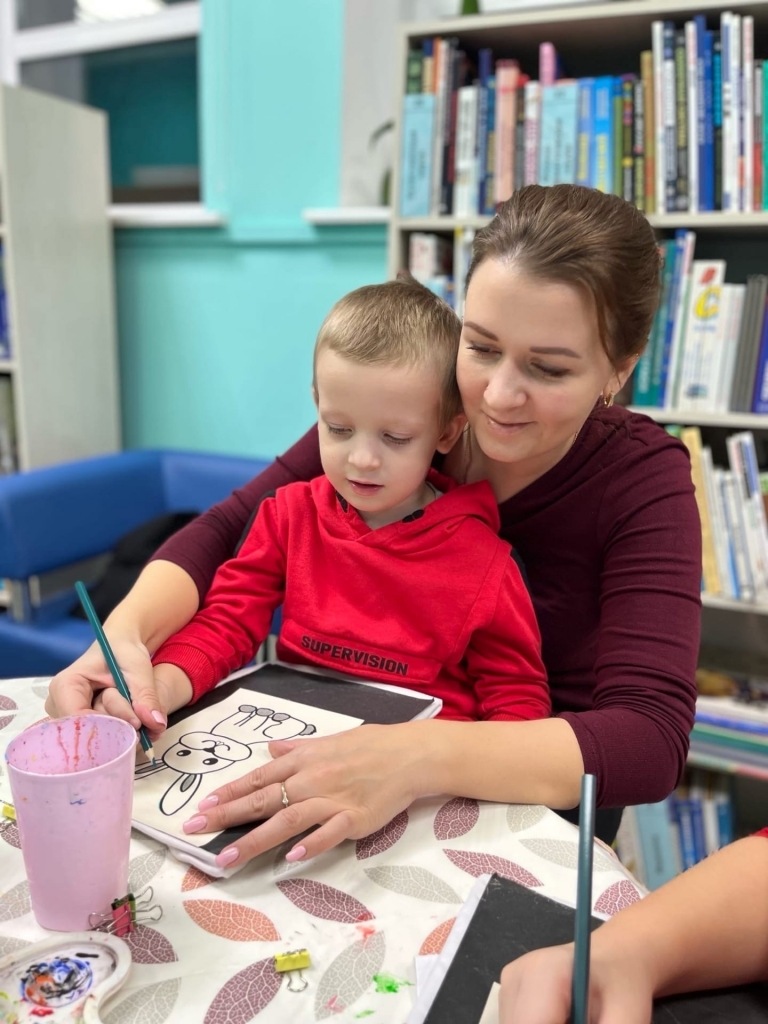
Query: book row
{"points": [[685, 132], [734, 532], [658, 841]]}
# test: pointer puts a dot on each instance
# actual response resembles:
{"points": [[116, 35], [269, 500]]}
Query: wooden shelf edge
{"points": [[330, 216]]}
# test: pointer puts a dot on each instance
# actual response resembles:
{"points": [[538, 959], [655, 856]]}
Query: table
{"points": [[364, 910]]}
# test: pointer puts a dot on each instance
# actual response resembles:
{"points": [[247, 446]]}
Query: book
{"points": [[416, 167], [501, 921], [559, 122], [532, 131], [232, 726], [603, 140], [691, 438], [697, 383], [649, 121], [657, 66], [465, 189], [585, 130]]}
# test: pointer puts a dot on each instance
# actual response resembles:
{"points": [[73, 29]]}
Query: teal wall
{"points": [[216, 326], [150, 94]]}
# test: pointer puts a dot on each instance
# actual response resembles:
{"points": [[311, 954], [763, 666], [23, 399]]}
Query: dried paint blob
{"points": [[56, 982]]}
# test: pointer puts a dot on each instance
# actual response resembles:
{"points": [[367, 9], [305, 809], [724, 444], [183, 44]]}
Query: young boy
{"points": [[385, 569]]}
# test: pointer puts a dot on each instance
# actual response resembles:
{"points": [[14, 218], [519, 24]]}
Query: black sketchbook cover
{"points": [[511, 920]]}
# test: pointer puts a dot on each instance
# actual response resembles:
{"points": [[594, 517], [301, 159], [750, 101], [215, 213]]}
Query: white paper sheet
{"points": [[491, 1011], [218, 745]]}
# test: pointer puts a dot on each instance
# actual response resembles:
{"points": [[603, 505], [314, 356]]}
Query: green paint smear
{"points": [[386, 983], [365, 1013]]}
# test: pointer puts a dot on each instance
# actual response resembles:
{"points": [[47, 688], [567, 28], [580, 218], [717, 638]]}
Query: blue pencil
{"points": [[582, 936], [109, 657]]}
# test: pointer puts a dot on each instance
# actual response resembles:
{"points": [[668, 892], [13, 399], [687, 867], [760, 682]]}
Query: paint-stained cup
{"points": [[72, 786]]}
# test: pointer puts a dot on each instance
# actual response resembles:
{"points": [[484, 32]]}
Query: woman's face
{"points": [[530, 365]]}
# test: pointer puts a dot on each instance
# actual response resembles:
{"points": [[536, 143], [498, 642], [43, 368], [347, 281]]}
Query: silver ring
{"points": [[286, 801]]}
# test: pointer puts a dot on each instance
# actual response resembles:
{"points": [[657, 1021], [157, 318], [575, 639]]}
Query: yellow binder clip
{"points": [[295, 960]]}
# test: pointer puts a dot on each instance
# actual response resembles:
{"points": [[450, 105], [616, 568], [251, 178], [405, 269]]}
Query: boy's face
{"points": [[379, 429]]}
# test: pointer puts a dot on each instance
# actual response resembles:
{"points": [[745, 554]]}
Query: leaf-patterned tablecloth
{"points": [[364, 910]]}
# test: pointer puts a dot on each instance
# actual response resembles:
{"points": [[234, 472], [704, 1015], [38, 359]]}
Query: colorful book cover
{"points": [[489, 194], [670, 118], [700, 34], [532, 131], [602, 154], [617, 102], [507, 77], [657, 842], [707, 167], [694, 68], [659, 337], [760, 394], [682, 255], [559, 120], [717, 120], [638, 145], [485, 71], [585, 130], [641, 394], [697, 381], [627, 139], [681, 123], [416, 167], [649, 117], [414, 70]]}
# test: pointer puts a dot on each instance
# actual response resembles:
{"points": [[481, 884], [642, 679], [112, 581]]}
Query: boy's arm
{"points": [[504, 657], [707, 928], [228, 630]]}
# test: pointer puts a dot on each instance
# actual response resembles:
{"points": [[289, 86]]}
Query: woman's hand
{"points": [[536, 989], [87, 686], [349, 785]]}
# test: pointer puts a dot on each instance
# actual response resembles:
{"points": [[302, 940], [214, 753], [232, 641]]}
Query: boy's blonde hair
{"points": [[399, 323]]}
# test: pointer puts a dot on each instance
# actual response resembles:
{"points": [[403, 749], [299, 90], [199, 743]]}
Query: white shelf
{"points": [[726, 764], [163, 215], [743, 420], [728, 605], [7, 366], [662, 221], [328, 216], [177, 21]]}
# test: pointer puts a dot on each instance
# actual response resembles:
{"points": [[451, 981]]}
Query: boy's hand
{"points": [[536, 988]]}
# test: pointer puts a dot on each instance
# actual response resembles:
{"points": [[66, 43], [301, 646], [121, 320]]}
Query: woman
{"points": [[598, 504]]}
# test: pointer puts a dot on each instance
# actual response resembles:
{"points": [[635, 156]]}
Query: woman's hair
{"points": [[400, 323], [596, 242]]}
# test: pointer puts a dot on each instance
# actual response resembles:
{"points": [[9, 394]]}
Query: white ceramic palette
{"points": [[63, 978]]}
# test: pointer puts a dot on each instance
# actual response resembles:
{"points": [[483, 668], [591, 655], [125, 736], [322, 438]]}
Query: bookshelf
{"points": [[607, 39], [59, 281]]}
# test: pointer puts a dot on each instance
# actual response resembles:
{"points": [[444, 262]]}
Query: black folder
{"points": [[511, 920]]}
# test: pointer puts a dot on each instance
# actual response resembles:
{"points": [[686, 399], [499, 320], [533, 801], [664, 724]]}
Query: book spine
{"points": [[547, 64], [520, 136], [442, 121], [729, 201], [748, 113], [465, 189], [765, 138], [691, 438], [638, 145], [427, 65], [759, 132], [485, 69], [671, 365], [657, 841], [681, 123], [585, 131], [707, 148], [760, 393], [618, 135], [670, 119], [684, 817], [717, 120], [660, 175], [507, 75], [659, 341], [414, 73], [489, 194], [603, 138], [646, 67], [627, 140], [532, 130], [732, 501], [418, 125], [738, 114], [695, 113]]}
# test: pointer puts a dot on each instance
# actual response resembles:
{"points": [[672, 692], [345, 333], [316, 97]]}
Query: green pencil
{"points": [[109, 657], [582, 936]]}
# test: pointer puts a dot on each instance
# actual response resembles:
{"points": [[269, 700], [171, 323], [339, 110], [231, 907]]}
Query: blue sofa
{"points": [[56, 524]]}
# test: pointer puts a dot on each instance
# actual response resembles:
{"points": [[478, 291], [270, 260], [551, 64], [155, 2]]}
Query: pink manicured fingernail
{"points": [[160, 718], [297, 853], [196, 824], [208, 803], [228, 856]]}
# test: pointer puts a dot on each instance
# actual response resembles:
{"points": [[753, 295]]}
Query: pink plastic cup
{"points": [[72, 786]]}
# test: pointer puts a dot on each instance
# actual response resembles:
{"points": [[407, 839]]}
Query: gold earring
{"points": [[608, 402]]}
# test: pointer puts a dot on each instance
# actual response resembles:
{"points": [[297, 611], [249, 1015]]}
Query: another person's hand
{"points": [[87, 686], [349, 785], [536, 988]]}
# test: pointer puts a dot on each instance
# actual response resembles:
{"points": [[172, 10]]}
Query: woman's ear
{"points": [[450, 435], [624, 372]]}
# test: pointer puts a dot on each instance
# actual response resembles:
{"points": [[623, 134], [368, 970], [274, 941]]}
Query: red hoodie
{"points": [[433, 602]]}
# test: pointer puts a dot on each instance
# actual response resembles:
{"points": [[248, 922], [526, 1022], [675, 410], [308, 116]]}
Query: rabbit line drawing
{"points": [[197, 754]]}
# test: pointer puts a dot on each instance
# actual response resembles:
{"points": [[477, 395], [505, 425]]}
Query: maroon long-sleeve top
{"points": [[611, 543]]}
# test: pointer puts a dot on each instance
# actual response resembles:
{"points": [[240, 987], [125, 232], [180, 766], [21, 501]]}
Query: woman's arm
{"points": [[166, 596], [355, 782], [707, 928]]}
